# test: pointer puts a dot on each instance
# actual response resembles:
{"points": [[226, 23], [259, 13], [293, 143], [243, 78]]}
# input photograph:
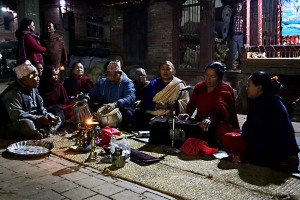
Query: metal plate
{"points": [[30, 148]]}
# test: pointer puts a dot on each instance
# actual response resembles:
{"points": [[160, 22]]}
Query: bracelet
{"points": [[210, 119], [207, 121]]}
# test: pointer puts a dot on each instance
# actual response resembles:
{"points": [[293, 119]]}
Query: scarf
{"points": [[168, 93]]}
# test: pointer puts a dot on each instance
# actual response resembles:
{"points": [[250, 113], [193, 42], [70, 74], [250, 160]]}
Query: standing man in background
{"points": [[235, 34]]}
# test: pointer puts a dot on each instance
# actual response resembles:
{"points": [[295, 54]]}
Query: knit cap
{"points": [[25, 69]]}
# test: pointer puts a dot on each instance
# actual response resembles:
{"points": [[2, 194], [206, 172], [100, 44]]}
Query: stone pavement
{"points": [[57, 178]]}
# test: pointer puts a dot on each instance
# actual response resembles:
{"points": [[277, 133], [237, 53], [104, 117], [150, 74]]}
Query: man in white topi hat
{"points": [[23, 115]]}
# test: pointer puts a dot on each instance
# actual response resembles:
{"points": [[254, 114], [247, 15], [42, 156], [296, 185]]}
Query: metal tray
{"points": [[31, 148]]}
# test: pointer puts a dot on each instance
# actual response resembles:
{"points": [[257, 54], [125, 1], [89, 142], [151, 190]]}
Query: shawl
{"points": [[30, 48], [74, 87], [169, 93], [218, 104], [52, 92], [56, 53], [268, 132]]}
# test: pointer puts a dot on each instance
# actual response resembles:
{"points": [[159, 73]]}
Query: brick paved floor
{"points": [[57, 178]]}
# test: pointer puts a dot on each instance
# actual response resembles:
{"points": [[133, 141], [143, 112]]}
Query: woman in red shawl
{"points": [[29, 47], [53, 92], [214, 101], [56, 53], [78, 84]]}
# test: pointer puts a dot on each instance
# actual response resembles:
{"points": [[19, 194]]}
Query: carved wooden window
{"points": [[94, 26], [189, 35]]}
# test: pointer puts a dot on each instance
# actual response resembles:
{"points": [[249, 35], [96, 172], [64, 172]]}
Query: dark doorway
{"points": [[135, 33]]}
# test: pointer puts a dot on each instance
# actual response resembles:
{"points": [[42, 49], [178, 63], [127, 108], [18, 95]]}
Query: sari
{"points": [[159, 92], [219, 105]]}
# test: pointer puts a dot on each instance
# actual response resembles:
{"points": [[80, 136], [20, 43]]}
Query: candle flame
{"points": [[89, 121]]}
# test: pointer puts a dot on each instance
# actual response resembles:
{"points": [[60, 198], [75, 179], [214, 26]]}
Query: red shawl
{"points": [[74, 87], [218, 104], [52, 92]]}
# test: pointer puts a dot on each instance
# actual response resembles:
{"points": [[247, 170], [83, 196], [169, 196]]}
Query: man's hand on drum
{"points": [[184, 116], [109, 107]]}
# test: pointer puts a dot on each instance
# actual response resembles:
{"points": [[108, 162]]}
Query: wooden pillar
{"points": [[259, 22], [207, 24], [246, 16]]}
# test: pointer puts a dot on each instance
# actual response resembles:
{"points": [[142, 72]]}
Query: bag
{"points": [[122, 144], [142, 158], [106, 134]]}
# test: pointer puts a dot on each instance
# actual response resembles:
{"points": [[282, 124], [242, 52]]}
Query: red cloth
{"points": [[107, 133], [203, 146], [234, 144], [190, 147], [193, 146]]}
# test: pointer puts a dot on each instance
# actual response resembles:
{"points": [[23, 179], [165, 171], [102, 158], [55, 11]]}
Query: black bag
{"points": [[142, 158], [160, 133]]}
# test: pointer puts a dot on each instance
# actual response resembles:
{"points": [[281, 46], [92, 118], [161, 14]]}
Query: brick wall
{"points": [[160, 28], [116, 32]]}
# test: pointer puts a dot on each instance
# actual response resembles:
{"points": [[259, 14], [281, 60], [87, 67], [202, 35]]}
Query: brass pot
{"points": [[112, 119]]}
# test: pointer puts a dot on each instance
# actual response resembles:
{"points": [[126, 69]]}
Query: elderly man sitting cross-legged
{"points": [[116, 90], [23, 115]]}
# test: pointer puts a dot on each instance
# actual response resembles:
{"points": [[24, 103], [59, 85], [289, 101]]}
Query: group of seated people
{"points": [[33, 106]]}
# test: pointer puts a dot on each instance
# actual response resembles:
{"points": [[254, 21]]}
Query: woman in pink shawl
{"points": [[214, 101], [29, 47]]}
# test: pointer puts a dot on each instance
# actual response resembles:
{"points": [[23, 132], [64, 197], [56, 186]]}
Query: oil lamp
{"points": [[91, 126]]}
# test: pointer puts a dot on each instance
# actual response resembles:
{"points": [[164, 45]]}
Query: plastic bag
{"points": [[122, 144]]}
